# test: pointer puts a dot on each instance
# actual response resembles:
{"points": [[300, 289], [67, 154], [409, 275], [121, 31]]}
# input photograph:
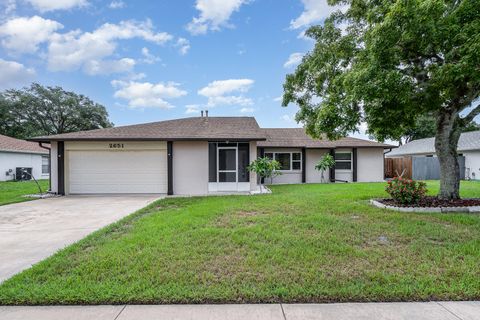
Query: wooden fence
{"points": [[395, 166]]}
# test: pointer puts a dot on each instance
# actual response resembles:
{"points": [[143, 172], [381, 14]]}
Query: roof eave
{"points": [[46, 139]]}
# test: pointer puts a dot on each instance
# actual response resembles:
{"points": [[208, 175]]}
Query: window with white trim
{"points": [[343, 161], [289, 161], [45, 165]]}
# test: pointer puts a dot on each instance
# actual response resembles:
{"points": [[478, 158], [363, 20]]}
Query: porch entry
{"points": [[228, 166]]}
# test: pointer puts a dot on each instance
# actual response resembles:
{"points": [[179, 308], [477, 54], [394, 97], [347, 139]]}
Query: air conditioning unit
{"points": [[23, 173]]}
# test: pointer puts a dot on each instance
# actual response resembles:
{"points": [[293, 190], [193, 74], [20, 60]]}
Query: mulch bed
{"points": [[433, 202]]}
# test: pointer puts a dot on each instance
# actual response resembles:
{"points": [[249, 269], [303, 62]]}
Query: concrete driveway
{"points": [[31, 231]]}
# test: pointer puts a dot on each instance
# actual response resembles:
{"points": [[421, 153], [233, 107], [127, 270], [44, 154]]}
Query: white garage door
{"points": [[117, 171]]}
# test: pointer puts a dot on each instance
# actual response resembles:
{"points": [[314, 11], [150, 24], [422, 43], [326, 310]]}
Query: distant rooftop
{"points": [[9, 144], [468, 141]]}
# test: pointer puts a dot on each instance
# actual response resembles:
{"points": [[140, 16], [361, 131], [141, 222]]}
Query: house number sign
{"points": [[116, 145]]}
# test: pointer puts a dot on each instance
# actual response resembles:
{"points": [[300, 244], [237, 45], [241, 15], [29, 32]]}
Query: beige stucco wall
{"points": [[472, 162], [105, 145], [190, 167], [312, 175], [370, 164]]}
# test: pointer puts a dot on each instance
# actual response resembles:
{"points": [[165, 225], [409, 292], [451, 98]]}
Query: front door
{"points": [[227, 173]]}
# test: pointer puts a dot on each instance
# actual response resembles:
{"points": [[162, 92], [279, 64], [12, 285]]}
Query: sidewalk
{"points": [[468, 310]]}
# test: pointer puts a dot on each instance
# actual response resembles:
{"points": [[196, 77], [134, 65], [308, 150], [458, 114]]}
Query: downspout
{"points": [[49, 165], [332, 169]]}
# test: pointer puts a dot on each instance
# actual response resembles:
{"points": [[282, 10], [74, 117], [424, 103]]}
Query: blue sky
{"points": [[154, 60]]}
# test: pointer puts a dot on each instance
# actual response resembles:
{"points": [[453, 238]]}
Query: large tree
{"points": [[39, 110], [388, 63]]}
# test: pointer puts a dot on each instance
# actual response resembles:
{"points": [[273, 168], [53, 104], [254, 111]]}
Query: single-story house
{"points": [[198, 155], [468, 147], [19, 156]]}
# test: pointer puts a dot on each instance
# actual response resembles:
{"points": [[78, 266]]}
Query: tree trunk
{"points": [[446, 141]]}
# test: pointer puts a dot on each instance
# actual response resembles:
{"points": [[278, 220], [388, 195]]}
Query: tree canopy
{"points": [[426, 127], [388, 63], [39, 110]]}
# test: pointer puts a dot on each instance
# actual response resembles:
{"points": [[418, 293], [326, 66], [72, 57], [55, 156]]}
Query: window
{"points": [[343, 161], [288, 160], [296, 161], [284, 159], [45, 165]]}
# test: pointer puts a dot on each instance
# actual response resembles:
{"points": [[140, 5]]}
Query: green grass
{"points": [[13, 191], [303, 243]]}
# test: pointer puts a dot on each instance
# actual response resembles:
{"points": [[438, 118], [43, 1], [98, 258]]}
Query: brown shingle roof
{"points": [[16, 145], [196, 128], [296, 137]]}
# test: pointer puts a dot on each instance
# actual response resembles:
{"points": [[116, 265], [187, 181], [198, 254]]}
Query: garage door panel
{"points": [[118, 171]]}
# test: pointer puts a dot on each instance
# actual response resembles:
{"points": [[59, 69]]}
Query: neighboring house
{"points": [[468, 147], [18, 155], [198, 155]]}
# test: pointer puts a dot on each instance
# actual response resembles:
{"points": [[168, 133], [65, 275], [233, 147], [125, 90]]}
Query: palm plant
{"points": [[325, 163]]}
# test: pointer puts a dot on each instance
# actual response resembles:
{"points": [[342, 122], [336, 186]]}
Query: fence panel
{"points": [[428, 168], [396, 166]]}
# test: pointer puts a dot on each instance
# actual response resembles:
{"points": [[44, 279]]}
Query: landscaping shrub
{"points": [[406, 191]]}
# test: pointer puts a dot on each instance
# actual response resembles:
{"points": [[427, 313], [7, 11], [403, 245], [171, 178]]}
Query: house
{"points": [[198, 155], [468, 148], [18, 156]]}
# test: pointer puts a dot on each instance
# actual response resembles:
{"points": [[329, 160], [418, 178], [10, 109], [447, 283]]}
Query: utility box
{"points": [[23, 173]]}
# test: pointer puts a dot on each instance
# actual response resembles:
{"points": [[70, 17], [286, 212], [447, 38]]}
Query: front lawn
{"points": [[303, 243], [14, 191]]}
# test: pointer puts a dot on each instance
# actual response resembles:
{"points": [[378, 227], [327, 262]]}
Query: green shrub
{"points": [[406, 191]]}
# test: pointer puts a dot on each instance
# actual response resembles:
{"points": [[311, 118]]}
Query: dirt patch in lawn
{"points": [[228, 219]]}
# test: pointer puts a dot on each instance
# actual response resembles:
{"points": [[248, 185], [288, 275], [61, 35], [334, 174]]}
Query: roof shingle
{"points": [[195, 128], [10, 144], [296, 137]]}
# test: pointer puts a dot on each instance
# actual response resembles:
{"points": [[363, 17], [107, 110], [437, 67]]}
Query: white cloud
{"points": [[14, 73], [278, 99], [148, 57], [314, 12], [192, 108], [247, 110], [9, 7], [229, 100], [287, 118], [23, 35], [293, 60], [227, 92], [116, 4], [51, 5], [221, 87], [74, 49], [94, 67], [146, 94], [214, 14], [183, 46]]}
